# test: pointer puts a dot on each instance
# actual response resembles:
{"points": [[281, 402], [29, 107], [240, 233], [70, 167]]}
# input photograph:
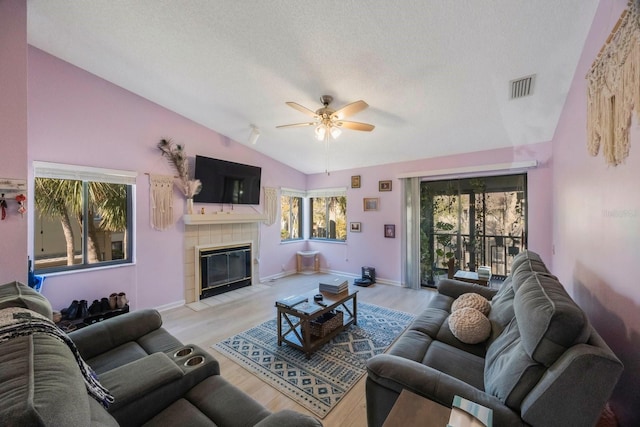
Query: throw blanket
{"points": [[17, 322]]}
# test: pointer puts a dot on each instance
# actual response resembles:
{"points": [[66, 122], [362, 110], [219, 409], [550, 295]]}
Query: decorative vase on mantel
{"points": [[189, 205]]}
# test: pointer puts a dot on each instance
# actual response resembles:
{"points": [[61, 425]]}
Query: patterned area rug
{"points": [[319, 383]]}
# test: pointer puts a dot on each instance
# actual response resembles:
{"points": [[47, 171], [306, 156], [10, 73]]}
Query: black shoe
{"points": [[104, 305], [94, 308], [83, 311], [72, 311]]}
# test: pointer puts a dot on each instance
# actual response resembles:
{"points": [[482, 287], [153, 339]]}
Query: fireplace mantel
{"points": [[223, 218]]}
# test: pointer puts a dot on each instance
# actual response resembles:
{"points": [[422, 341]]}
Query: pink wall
{"points": [[78, 118], [596, 231], [371, 248], [13, 134]]}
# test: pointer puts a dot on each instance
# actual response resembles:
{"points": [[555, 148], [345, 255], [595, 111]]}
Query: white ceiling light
{"points": [[255, 134]]}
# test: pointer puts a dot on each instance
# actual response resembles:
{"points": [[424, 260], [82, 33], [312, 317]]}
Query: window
{"points": [[477, 221], [291, 214], [328, 214], [82, 217]]}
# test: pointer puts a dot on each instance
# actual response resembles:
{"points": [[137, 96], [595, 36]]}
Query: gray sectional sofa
{"points": [[542, 365], [154, 379]]}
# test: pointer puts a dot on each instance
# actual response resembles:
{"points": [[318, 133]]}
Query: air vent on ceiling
{"points": [[522, 87]]}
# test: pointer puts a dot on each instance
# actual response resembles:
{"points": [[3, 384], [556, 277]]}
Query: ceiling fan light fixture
{"points": [[321, 131], [335, 132]]}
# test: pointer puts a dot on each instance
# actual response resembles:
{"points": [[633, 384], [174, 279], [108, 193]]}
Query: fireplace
{"points": [[224, 269]]}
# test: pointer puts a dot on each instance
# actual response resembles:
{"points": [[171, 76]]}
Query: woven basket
{"points": [[327, 323]]}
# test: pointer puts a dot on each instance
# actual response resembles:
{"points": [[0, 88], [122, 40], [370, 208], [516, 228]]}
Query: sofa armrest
{"points": [[455, 288], [388, 375], [103, 336], [289, 418], [130, 382]]}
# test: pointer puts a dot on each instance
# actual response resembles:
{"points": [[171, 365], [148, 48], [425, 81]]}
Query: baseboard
{"points": [[171, 305], [277, 276], [348, 276]]}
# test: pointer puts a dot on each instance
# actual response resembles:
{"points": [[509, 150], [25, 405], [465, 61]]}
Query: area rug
{"points": [[321, 382]]}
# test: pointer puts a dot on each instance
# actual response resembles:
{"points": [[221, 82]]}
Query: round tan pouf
{"points": [[472, 300], [469, 325]]}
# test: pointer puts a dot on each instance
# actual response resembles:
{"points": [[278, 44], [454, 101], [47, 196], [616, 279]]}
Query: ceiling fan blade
{"points": [[349, 110], [297, 125], [302, 109], [355, 125]]}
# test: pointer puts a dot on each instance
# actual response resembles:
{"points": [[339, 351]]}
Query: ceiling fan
{"points": [[328, 121]]}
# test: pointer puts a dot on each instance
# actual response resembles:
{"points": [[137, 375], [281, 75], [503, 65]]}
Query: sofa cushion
{"points": [[180, 413], [225, 404], [121, 355], [550, 321], [509, 372], [412, 345], [16, 294], [472, 300], [429, 321], [456, 363], [469, 325], [41, 385], [130, 382], [100, 337]]}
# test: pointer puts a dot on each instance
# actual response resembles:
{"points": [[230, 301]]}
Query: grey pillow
{"points": [[16, 294], [501, 312], [550, 321]]}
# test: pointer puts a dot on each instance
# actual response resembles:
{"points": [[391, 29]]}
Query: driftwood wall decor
{"points": [[613, 89]]}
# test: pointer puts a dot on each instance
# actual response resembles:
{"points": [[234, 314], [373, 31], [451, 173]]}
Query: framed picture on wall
{"points": [[371, 203], [355, 181], [384, 185], [390, 231], [356, 227]]}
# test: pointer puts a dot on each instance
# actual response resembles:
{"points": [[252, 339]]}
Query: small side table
{"points": [[413, 410], [300, 264]]}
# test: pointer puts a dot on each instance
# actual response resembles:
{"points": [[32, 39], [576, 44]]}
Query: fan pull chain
{"points": [[326, 149]]}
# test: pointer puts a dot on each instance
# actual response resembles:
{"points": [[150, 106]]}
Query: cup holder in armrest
{"points": [[183, 352], [194, 361]]}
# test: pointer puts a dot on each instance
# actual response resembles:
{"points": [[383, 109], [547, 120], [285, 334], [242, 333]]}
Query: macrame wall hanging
{"points": [[271, 204], [161, 201], [613, 89]]}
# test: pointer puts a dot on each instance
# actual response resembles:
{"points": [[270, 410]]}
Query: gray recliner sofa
{"points": [[542, 365], [154, 379]]}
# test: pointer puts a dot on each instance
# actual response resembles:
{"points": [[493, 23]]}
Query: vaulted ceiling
{"points": [[436, 74]]}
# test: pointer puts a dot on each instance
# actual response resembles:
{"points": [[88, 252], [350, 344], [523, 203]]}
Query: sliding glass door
{"points": [[476, 221]]}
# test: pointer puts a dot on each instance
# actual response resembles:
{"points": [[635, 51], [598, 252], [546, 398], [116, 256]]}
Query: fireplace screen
{"points": [[225, 269]]}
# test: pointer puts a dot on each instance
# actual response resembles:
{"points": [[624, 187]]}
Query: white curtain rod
{"points": [[497, 167]]}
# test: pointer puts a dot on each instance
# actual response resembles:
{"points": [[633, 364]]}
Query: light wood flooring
{"points": [[212, 324]]}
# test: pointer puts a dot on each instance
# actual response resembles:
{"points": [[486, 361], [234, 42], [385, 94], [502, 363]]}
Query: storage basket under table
{"points": [[326, 323]]}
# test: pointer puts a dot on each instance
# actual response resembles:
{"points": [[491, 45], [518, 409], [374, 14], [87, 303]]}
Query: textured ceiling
{"points": [[434, 73]]}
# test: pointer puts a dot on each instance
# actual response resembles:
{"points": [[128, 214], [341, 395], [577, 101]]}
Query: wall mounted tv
{"points": [[227, 182]]}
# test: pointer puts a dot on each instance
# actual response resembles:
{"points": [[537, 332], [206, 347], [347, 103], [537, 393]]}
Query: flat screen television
{"points": [[227, 182]]}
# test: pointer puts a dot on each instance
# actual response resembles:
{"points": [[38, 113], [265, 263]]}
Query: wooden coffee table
{"points": [[294, 325]]}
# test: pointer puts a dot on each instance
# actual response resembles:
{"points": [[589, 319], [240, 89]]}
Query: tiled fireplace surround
{"points": [[216, 231]]}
